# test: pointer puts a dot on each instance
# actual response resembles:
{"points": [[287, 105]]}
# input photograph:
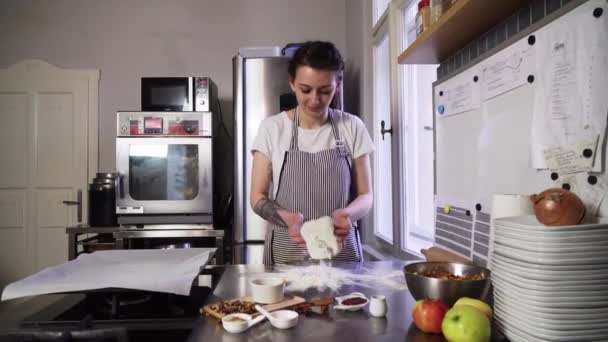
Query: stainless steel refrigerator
{"points": [[260, 89]]}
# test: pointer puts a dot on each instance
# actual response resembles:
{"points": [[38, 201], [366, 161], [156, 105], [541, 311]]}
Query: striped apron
{"points": [[314, 184]]}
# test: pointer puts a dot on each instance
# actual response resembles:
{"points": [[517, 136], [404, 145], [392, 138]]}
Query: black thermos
{"points": [[102, 200]]}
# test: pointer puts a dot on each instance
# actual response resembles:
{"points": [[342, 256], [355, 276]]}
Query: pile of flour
{"points": [[324, 277]]}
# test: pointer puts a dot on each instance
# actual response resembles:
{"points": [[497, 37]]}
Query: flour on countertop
{"points": [[324, 277]]}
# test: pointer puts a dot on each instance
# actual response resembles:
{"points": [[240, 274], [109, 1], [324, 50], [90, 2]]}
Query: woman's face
{"points": [[314, 89]]}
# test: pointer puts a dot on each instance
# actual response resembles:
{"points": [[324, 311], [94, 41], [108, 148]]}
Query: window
{"points": [[403, 99], [380, 7], [383, 214]]}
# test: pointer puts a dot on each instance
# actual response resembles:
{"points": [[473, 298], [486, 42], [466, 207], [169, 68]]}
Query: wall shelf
{"points": [[463, 22]]}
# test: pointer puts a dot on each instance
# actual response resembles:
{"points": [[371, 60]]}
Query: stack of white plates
{"points": [[550, 283]]}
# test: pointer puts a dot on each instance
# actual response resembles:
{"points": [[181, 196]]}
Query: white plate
{"points": [[544, 298], [543, 293], [546, 330], [550, 317], [576, 330], [601, 320], [588, 253], [551, 247], [556, 236], [515, 335], [522, 234], [551, 259], [531, 223], [577, 311], [595, 271], [514, 275], [563, 325], [549, 334], [548, 278], [341, 299]]}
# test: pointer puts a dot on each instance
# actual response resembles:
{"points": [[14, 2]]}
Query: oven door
{"points": [[164, 176]]}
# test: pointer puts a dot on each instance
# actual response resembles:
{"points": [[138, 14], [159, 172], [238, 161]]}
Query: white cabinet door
{"points": [[45, 150]]}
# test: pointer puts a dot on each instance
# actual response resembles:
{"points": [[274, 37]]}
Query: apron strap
{"points": [[293, 146], [334, 126]]}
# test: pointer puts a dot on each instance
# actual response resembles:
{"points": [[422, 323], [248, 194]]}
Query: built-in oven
{"points": [[165, 165]]}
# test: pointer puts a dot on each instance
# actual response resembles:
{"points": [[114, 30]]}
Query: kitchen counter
{"points": [[336, 326]]}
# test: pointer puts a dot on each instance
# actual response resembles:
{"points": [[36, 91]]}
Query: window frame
{"points": [[393, 24]]}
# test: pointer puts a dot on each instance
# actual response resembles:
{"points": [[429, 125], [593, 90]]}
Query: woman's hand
{"points": [[294, 226], [342, 224]]}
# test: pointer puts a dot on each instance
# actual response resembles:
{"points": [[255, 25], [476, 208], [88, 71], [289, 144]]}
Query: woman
{"points": [[315, 158]]}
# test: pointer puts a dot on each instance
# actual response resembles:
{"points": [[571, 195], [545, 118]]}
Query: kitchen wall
{"points": [[359, 79], [130, 39]]}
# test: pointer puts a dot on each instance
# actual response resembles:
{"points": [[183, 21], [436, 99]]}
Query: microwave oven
{"points": [[178, 94]]}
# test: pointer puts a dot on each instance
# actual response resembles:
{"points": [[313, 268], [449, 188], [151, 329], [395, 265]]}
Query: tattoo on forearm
{"points": [[269, 210]]}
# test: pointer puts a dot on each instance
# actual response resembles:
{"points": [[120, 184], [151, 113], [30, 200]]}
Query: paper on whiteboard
{"points": [[158, 270], [458, 95], [571, 158], [507, 69], [592, 195], [570, 101]]}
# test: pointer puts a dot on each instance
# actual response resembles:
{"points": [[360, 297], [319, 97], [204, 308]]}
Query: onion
{"points": [[558, 207]]}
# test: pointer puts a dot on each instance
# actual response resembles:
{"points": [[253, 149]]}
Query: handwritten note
{"points": [[571, 158], [571, 83], [508, 69], [459, 95]]}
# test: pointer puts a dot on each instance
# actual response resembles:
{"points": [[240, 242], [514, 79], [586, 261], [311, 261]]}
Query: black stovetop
{"points": [[146, 316]]}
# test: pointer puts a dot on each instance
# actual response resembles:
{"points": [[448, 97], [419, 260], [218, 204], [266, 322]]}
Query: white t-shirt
{"points": [[274, 137]]}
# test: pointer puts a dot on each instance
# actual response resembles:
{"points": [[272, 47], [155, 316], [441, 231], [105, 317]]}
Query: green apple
{"points": [[464, 323], [477, 304]]}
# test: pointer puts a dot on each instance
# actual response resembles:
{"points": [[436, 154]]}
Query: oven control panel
{"points": [[170, 124]]}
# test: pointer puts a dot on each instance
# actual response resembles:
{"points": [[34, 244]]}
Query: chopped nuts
{"points": [[235, 306]]}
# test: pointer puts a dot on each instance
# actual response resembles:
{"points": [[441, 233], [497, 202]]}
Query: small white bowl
{"points": [[284, 319], [236, 323], [267, 290]]}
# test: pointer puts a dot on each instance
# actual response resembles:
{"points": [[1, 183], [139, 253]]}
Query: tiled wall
{"points": [[519, 21], [464, 232]]}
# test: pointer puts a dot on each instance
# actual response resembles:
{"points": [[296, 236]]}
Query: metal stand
{"points": [[123, 234]]}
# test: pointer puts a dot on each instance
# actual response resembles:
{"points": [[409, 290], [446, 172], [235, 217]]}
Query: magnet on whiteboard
{"points": [[592, 180], [598, 12], [441, 109], [587, 153], [446, 209]]}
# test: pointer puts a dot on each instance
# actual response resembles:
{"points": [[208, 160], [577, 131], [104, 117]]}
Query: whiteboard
{"points": [[484, 148]]}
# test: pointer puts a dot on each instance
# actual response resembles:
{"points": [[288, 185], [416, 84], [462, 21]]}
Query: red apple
{"points": [[428, 315]]}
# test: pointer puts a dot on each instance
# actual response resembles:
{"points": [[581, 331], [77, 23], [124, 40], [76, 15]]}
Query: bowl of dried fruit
{"points": [[447, 281], [351, 302]]}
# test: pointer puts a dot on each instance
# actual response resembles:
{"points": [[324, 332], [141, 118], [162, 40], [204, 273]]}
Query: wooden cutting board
{"points": [[286, 303], [440, 254]]}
